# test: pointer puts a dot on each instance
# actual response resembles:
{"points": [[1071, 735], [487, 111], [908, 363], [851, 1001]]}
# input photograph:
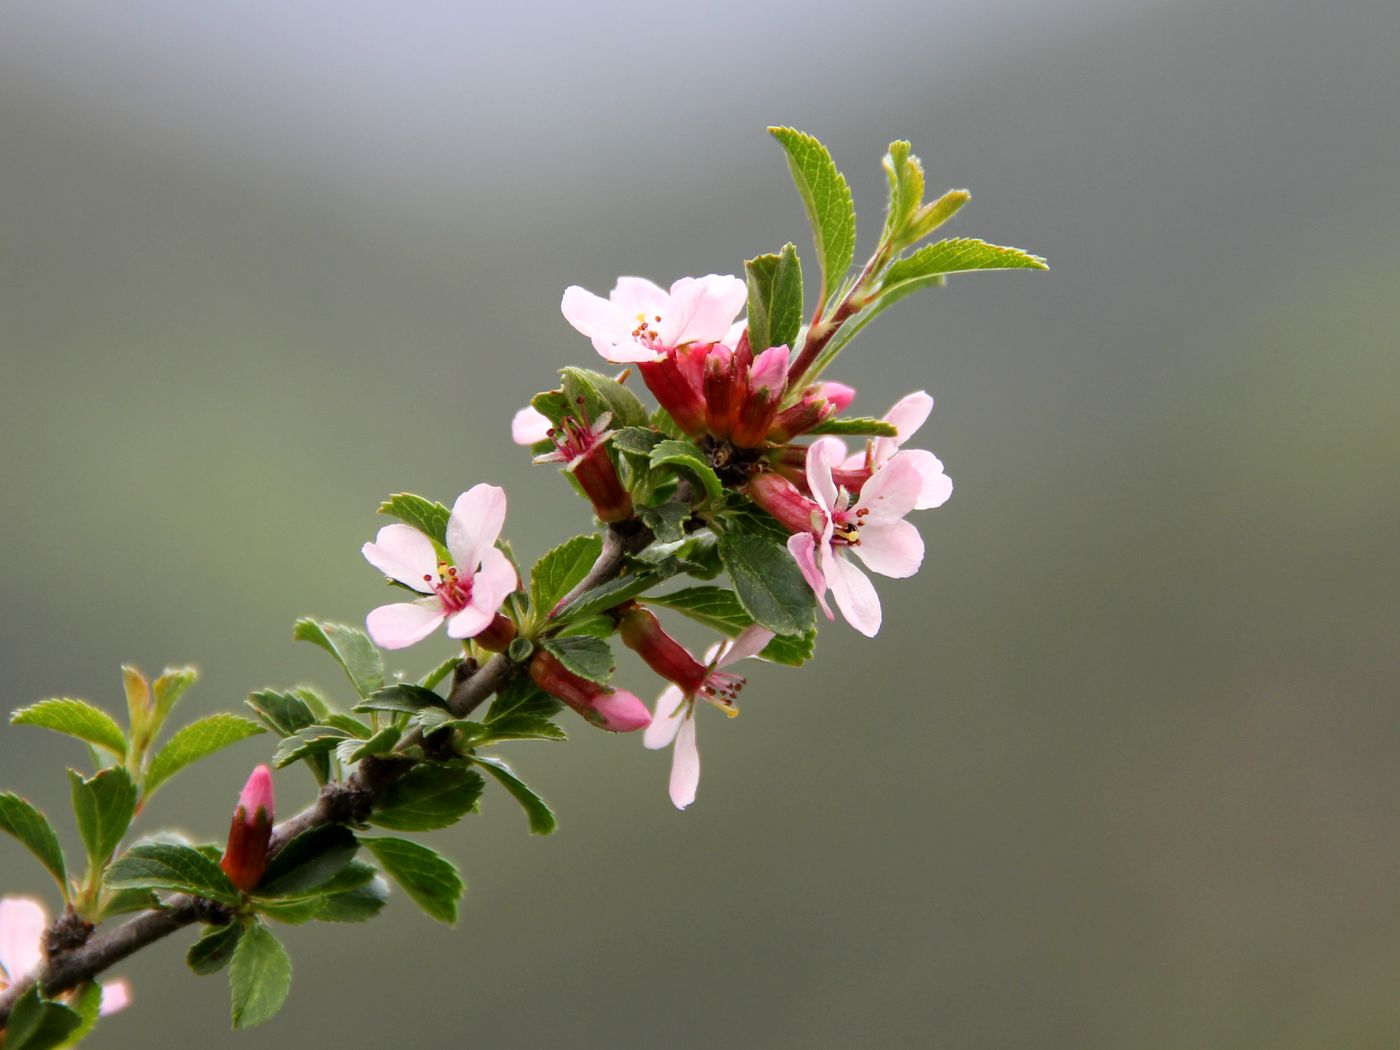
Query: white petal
{"points": [[469, 622], [494, 580], [404, 623], [530, 426], [476, 521], [703, 308], [819, 474], [670, 712], [855, 595], [593, 315], [637, 295], [750, 642], [685, 765], [624, 351], [802, 546], [891, 548], [116, 995], [404, 554], [22, 924]]}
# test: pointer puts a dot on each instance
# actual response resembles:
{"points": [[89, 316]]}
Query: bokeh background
{"points": [[1121, 769]]}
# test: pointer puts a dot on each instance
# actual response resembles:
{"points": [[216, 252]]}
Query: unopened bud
{"points": [[781, 498], [615, 710], [597, 476], [498, 635], [642, 632], [800, 418], [245, 858], [675, 392]]}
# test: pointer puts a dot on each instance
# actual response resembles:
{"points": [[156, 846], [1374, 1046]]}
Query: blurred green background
{"points": [[1120, 771]]}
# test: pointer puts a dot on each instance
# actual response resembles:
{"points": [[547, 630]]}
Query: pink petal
{"points": [[855, 595], [937, 486], [819, 475], [627, 351], [891, 548], [116, 995], [750, 642], [891, 492], [494, 580], [685, 766], [404, 623], [836, 453], [839, 394], [476, 521], [637, 295], [469, 622], [907, 415], [22, 924], [595, 316], [731, 337], [530, 426], [770, 369], [620, 712], [670, 712], [802, 547], [703, 308], [404, 554]]}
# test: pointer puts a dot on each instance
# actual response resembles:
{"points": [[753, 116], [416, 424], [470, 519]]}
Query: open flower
{"points": [[907, 415], [530, 426], [466, 593], [640, 321], [674, 720], [22, 925], [871, 524]]}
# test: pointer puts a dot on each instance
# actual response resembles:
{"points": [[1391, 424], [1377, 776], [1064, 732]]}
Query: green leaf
{"points": [[856, 426], [380, 744], [283, 713], [688, 455], [775, 299], [960, 255], [715, 607], [552, 404], [86, 1001], [768, 582], [39, 1024], [523, 727], [358, 905], [312, 743], [171, 866], [402, 699], [19, 817], [351, 648], [74, 718], [433, 678], [123, 902], [259, 977], [827, 199], [309, 861], [606, 595], [794, 650], [349, 725], [906, 177], [931, 216], [559, 571], [138, 703], [211, 953], [104, 806], [432, 881], [522, 698], [429, 796], [168, 688], [601, 394], [637, 441], [195, 741], [584, 655], [541, 817], [427, 516]]}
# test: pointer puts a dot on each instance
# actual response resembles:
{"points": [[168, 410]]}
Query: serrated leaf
{"points": [[794, 650], [688, 455], [768, 582], [933, 215], [427, 516], [906, 178], [123, 902], [195, 741], [357, 905], [429, 796], [103, 806], [171, 866], [559, 571], [308, 861], [522, 698], [380, 744], [606, 595], [715, 607], [584, 655], [523, 727], [86, 1001], [431, 880], [638, 441], [349, 725], [827, 199], [552, 404], [138, 703], [959, 255], [283, 713], [212, 952], [75, 718], [260, 976], [39, 1024], [433, 678], [351, 648], [402, 699], [311, 743], [167, 690], [541, 818], [601, 394], [775, 299], [19, 818], [856, 426]]}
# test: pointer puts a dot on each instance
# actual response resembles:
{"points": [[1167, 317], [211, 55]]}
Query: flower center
{"points": [[846, 526], [454, 592], [645, 334], [721, 689]]}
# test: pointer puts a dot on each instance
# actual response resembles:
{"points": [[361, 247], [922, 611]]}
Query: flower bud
{"points": [[597, 476], [839, 394], [245, 859], [615, 710], [498, 635], [675, 391], [642, 632], [722, 393], [781, 498], [767, 382], [801, 417]]}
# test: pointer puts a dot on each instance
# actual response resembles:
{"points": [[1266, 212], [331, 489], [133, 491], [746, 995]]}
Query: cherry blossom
{"points": [[22, 925], [908, 415], [530, 426], [871, 524], [640, 321], [674, 719], [466, 594]]}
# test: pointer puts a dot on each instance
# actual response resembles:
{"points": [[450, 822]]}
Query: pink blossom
{"points": [[640, 321], [908, 415], [22, 925], [466, 593], [871, 524], [674, 720], [530, 426]]}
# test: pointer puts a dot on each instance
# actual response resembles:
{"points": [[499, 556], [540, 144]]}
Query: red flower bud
{"points": [[597, 476], [780, 498], [642, 632], [723, 391], [800, 418], [245, 858], [498, 635], [615, 710], [675, 391]]}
